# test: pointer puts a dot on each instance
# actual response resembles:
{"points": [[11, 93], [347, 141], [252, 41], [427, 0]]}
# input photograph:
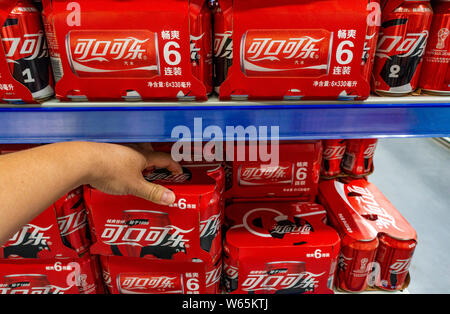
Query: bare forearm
{"points": [[30, 181]]}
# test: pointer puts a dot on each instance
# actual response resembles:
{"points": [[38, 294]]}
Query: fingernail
{"points": [[167, 198]]}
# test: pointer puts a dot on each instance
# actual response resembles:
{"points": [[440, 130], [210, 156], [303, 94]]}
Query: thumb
{"points": [[153, 192]]}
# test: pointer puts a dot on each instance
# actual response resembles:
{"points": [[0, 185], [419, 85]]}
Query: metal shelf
{"points": [[53, 121]]}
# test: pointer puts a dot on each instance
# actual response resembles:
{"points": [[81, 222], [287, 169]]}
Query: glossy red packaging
{"points": [[130, 50], [24, 60], [333, 152], [358, 157], [133, 227], [404, 32], [127, 275], [435, 75], [377, 241], [294, 49], [296, 175], [55, 276], [60, 231], [370, 44], [279, 248]]}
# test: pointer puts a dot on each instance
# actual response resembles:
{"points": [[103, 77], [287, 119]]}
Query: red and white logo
{"points": [[223, 45], [29, 47], [334, 152], [73, 222], [264, 175], [210, 227], [122, 234], [285, 52], [411, 45], [113, 53], [30, 235], [148, 283]]}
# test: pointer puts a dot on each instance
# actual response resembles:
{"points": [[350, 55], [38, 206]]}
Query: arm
{"points": [[31, 180]]}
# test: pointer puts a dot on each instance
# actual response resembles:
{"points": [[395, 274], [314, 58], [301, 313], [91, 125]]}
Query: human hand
{"points": [[119, 171]]}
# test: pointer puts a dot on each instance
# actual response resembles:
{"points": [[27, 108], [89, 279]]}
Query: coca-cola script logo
{"points": [[73, 222], [334, 152], [195, 56], [230, 271], [400, 266], [290, 48], [370, 151], [25, 288], [30, 235], [210, 227], [366, 199], [147, 283], [92, 49], [411, 45], [223, 45], [28, 47], [123, 234], [262, 175], [279, 280], [213, 276]]}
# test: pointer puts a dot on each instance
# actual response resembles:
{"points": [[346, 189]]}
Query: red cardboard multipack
{"points": [[279, 247], [296, 175], [26, 75], [130, 50], [377, 241], [60, 231], [128, 275], [293, 50], [55, 276], [133, 227]]}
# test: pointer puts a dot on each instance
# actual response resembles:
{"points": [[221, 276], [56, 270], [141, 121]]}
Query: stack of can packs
{"points": [[377, 242], [150, 248], [50, 253]]}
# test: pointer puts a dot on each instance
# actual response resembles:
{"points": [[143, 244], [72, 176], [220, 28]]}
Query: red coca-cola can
{"points": [[401, 45], [223, 41], [286, 53], [355, 264], [25, 46], [394, 257], [435, 75], [201, 43], [333, 152], [358, 157], [370, 44], [27, 284], [150, 283], [260, 174], [213, 277], [230, 281], [72, 221], [113, 53]]}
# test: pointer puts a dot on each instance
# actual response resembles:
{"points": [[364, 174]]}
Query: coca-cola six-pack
{"points": [[341, 232], [50, 254], [183, 50]]}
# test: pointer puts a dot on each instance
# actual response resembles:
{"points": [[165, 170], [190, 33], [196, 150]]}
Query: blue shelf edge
{"points": [[129, 122]]}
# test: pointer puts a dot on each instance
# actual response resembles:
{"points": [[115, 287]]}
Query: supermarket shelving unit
{"points": [[377, 117]]}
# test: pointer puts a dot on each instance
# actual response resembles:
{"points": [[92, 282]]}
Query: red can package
{"points": [[133, 227], [377, 241], [24, 58], [60, 231], [279, 248], [165, 53], [51, 276], [294, 50], [295, 175], [127, 275], [358, 157]]}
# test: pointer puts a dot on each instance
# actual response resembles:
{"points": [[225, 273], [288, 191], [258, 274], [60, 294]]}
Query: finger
{"points": [[164, 160], [153, 192]]}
